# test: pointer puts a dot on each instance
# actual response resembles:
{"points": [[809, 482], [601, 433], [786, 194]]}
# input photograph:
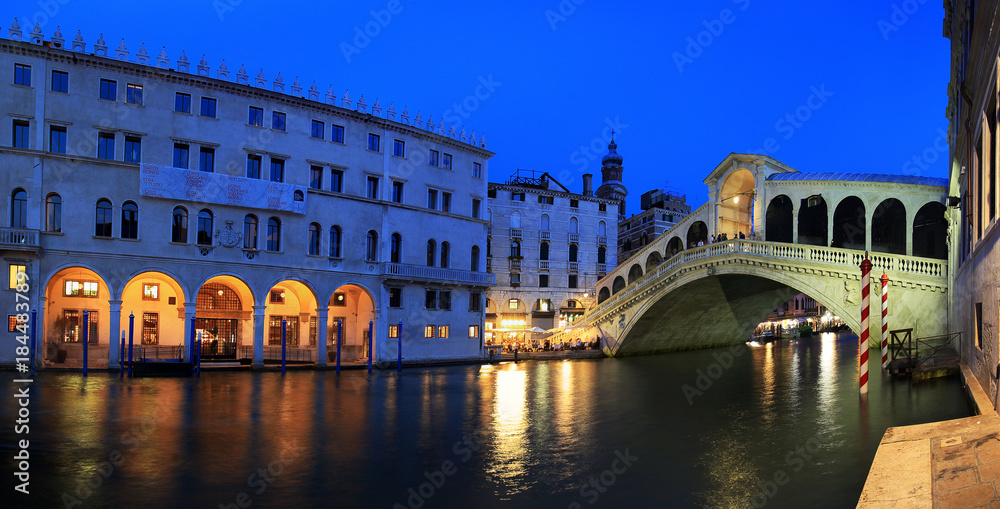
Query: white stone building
{"points": [[168, 191]]}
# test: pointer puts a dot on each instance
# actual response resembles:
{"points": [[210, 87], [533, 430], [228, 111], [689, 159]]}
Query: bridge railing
{"points": [[837, 257]]}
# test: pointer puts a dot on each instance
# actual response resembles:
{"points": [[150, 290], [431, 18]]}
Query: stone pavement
{"points": [[949, 465]]}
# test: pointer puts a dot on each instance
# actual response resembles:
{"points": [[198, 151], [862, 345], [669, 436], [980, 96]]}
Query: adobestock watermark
{"points": [[372, 29], [47, 11], [584, 156], [705, 378], [258, 480], [900, 15], [713, 30], [460, 111], [221, 7], [436, 479], [795, 460], [566, 8], [598, 484], [796, 119]]}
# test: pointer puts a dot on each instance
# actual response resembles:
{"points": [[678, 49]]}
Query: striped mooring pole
{"points": [[885, 320], [866, 268]]}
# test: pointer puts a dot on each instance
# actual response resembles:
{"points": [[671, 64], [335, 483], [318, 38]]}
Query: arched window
{"points": [[697, 232], [515, 219], [889, 227], [314, 230], [396, 248], [371, 246], [543, 251], [778, 220], [543, 224], [179, 225], [813, 221], [574, 225], [515, 249], [130, 220], [431, 252], [475, 259], [930, 232], [205, 227], [603, 295], [250, 232], [445, 253], [336, 238], [602, 254], [19, 209], [602, 229], [573, 248], [102, 223], [849, 224], [53, 213], [273, 239]]}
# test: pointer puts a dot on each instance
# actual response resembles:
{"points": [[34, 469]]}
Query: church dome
{"points": [[612, 157]]}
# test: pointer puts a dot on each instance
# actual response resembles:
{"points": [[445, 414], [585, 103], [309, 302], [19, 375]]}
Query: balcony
{"points": [[515, 264], [602, 241], [544, 235], [543, 265], [574, 266], [574, 237], [436, 274], [515, 233], [602, 268], [19, 239]]}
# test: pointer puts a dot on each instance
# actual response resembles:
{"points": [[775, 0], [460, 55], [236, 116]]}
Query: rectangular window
{"points": [[574, 203], [313, 330], [106, 145], [133, 149], [57, 139], [60, 81], [255, 116], [316, 177], [22, 75], [512, 304], [133, 94], [475, 301], [399, 148], [277, 297], [150, 328], [181, 155], [16, 268], [338, 133], [434, 157], [516, 196], [429, 331], [602, 207], [337, 181], [446, 202], [373, 142], [12, 323], [254, 163], [394, 331], [446, 161], [442, 331], [109, 90], [395, 297], [546, 200], [318, 129], [473, 331], [206, 159], [150, 291], [475, 208], [432, 198], [277, 170], [477, 170], [278, 120], [515, 279], [372, 189], [20, 139], [208, 107], [444, 299], [397, 191], [543, 280], [430, 299], [182, 102]]}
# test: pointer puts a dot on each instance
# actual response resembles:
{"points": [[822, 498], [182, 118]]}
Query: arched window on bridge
{"points": [[889, 227], [617, 285], [676, 245], [697, 232], [849, 224], [930, 230], [778, 220], [653, 260], [634, 273], [813, 221], [603, 295]]}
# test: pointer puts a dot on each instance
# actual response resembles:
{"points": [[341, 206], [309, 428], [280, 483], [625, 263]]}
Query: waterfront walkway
{"points": [[949, 465]]}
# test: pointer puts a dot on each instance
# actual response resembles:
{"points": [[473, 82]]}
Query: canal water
{"points": [[771, 426]]}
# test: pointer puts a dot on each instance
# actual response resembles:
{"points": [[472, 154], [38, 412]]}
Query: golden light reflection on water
{"points": [[767, 384], [827, 380], [729, 468], [510, 423]]}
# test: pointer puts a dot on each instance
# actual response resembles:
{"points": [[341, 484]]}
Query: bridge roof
{"points": [[860, 177]]}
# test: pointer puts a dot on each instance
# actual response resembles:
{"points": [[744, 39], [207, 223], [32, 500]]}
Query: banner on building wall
{"points": [[156, 181]]}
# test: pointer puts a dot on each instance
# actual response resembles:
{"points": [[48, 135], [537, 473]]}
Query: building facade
{"points": [[548, 247], [146, 191], [661, 210], [973, 139]]}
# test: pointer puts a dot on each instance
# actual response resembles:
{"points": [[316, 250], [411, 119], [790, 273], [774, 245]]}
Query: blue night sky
{"points": [[866, 79]]}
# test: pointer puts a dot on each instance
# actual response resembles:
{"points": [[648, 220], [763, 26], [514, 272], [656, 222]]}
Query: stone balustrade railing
{"points": [[19, 238]]}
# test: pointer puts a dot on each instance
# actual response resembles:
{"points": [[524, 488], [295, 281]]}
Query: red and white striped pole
{"points": [[885, 320], [866, 268]]}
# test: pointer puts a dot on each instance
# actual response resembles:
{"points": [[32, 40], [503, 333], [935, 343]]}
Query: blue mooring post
{"points": [[86, 329], [371, 339], [339, 326], [284, 343], [131, 327], [31, 350], [197, 368], [399, 354], [121, 358]]}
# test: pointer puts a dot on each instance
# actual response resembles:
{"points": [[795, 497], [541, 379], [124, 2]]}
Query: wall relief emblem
{"points": [[228, 237]]}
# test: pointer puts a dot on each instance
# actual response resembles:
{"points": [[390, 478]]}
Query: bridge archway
{"points": [[676, 245], [697, 232], [849, 230], [813, 221], [603, 295], [930, 230], [889, 227], [653, 260], [617, 285], [634, 273], [778, 220], [736, 197]]}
